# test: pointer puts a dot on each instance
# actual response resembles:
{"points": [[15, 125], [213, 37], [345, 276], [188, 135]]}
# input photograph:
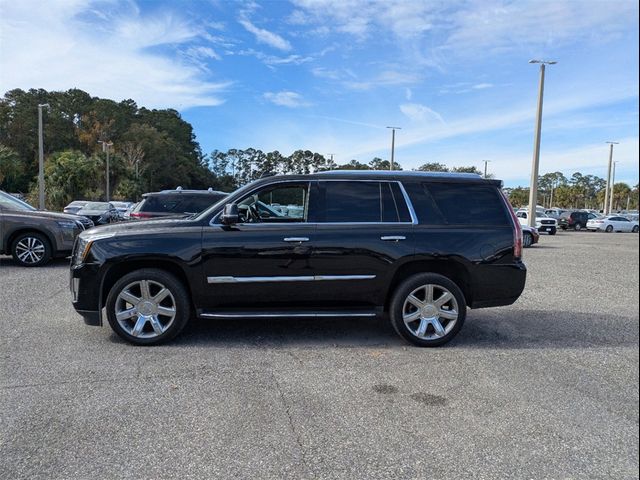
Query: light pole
{"points": [[41, 157], [609, 187], [393, 144], [613, 184], [533, 190], [485, 167], [105, 148]]}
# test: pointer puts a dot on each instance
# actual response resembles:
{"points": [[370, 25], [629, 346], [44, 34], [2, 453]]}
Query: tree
{"points": [[379, 164], [433, 167], [467, 170], [10, 168], [519, 197], [354, 165]]}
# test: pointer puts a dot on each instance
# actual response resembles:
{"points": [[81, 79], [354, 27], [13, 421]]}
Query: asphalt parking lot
{"points": [[546, 388]]}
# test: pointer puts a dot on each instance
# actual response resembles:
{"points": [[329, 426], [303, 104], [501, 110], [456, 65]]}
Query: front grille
{"points": [[546, 222]]}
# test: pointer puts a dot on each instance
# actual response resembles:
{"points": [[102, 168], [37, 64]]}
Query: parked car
{"points": [[420, 246], [613, 223], [122, 207], [530, 236], [576, 220], [127, 214], [99, 212], [74, 206], [543, 223], [175, 203], [554, 212], [32, 236]]}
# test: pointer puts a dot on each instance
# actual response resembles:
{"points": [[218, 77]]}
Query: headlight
{"points": [[84, 243], [67, 224]]}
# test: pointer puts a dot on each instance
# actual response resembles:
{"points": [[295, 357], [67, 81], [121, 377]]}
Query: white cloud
{"points": [[273, 60], [482, 86], [286, 99], [265, 36], [61, 45], [420, 113]]}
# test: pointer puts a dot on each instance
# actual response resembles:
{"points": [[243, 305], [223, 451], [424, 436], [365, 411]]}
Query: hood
{"points": [[82, 211], [42, 214], [140, 227]]}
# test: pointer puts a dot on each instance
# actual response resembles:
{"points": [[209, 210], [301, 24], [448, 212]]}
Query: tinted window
{"points": [[460, 204], [352, 202], [198, 203]]}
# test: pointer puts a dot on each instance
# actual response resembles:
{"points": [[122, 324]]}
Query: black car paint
{"points": [[481, 258]]}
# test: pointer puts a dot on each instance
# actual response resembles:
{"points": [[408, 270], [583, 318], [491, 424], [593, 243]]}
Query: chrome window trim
{"points": [[412, 212], [286, 278]]}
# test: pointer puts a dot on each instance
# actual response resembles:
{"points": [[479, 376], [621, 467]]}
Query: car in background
{"points": [[74, 206], [122, 207], [34, 236], [543, 223], [575, 220], [175, 203], [127, 214], [613, 223], [100, 213], [530, 236], [554, 212]]}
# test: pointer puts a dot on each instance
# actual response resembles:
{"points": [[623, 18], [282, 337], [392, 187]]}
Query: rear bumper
{"points": [[498, 285]]}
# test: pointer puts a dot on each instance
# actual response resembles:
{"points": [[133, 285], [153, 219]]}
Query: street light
{"points": [[105, 148], [393, 143], [41, 157], [609, 186], [613, 184], [533, 190]]}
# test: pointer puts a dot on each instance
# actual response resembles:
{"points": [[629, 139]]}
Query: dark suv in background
{"points": [[33, 236], [573, 220], [175, 203], [421, 247]]}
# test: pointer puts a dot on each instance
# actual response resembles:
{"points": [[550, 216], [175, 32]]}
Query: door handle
{"points": [[392, 238], [296, 239]]}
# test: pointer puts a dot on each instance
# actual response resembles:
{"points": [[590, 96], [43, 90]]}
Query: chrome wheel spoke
{"points": [[161, 295], [448, 314], [126, 314], [422, 329], [429, 295], [140, 323], [437, 326], [413, 300], [129, 297], [157, 326], [444, 298], [144, 289], [166, 311], [411, 317]]}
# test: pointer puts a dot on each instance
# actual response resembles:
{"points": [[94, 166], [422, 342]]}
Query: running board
{"points": [[288, 314]]}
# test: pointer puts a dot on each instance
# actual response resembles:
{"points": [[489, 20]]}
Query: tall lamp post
{"points": [[613, 184], [105, 148], [485, 167], [393, 143], [533, 190], [41, 157], [609, 186]]}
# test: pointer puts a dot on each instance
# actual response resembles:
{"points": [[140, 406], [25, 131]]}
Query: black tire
{"points": [[154, 278], [31, 249], [635, 229], [577, 227], [552, 231], [609, 229], [401, 296], [527, 240]]}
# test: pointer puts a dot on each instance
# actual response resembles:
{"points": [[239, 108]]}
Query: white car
{"points": [[543, 223], [613, 223]]}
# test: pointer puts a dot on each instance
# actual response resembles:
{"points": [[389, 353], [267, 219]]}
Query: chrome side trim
{"points": [[412, 212], [286, 314], [393, 238], [282, 278]]}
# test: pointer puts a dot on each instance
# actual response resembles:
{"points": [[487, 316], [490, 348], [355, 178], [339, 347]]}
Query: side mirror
{"points": [[230, 215]]}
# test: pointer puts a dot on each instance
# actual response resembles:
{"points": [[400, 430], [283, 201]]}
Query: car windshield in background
{"points": [[179, 204], [12, 203], [90, 206]]}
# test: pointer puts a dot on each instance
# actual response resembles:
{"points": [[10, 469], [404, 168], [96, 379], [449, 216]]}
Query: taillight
{"points": [[140, 215], [517, 229]]}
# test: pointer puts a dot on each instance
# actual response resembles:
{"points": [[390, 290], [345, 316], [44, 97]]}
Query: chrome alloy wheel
{"points": [[430, 312], [145, 309], [30, 250]]}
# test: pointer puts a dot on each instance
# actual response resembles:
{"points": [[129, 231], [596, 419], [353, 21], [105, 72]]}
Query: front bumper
{"points": [[85, 292], [547, 228]]}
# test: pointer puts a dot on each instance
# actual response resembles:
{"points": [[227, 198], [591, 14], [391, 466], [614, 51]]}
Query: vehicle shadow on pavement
{"points": [[515, 329]]}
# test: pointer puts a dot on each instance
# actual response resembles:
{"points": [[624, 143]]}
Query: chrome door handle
{"points": [[296, 239], [392, 238]]}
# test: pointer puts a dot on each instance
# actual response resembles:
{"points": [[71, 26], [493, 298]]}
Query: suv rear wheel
{"points": [[31, 249], [428, 309], [577, 227], [148, 307]]}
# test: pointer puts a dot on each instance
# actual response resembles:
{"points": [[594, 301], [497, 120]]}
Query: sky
{"points": [[331, 75]]}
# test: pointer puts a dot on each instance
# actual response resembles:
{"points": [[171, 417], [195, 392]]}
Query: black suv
{"points": [[175, 203], [574, 220], [420, 246]]}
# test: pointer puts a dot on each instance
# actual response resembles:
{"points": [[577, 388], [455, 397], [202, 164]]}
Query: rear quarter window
{"points": [[459, 204]]}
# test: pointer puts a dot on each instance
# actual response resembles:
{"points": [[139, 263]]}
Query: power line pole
{"points": [[533, 189], [41, 157], [105, 148], [606, 192], [485, 167], [393, 144]]}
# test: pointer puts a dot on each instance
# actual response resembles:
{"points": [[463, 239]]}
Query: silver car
{"points": [[612, 223]]}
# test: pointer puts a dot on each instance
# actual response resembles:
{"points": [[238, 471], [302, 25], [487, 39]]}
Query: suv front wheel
{"points": [[148, 307], [31, 249], [428, 309]]}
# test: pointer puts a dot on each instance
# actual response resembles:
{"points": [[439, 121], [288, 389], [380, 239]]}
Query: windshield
{"points": [[96, 206], [12, 203]]}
